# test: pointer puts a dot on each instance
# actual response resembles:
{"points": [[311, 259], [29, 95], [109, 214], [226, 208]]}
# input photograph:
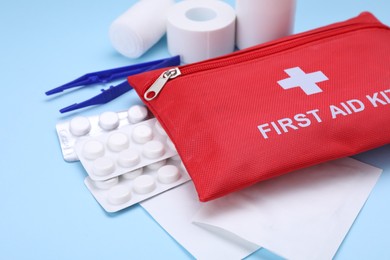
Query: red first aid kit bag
{"points": [[277, 107]]}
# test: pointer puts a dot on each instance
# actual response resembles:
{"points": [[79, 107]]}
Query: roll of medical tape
{"points": [[140, 27], [200, 29], [260, 21]]}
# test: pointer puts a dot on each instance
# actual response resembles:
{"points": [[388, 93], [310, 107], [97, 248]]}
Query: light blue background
{"points": [[46, 211]]}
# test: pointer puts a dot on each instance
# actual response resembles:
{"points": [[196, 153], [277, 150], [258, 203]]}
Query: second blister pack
{"points": [[123, 191]]}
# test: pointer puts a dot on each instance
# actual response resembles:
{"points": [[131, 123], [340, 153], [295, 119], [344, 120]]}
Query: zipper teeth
{"points": [[274, 48]]}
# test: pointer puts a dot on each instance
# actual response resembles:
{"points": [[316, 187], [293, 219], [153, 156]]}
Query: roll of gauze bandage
{"points": [[200, 29], [140, 27], [260, 21]]}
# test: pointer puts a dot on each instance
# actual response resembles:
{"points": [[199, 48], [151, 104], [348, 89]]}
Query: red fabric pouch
{"points": [[277, 107]]}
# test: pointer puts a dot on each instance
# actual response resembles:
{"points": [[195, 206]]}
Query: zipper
{"points": [[156, 86], [160, 82]]}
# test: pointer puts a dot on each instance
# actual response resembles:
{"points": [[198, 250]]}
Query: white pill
{"points": [[109, 120], [142, 134], [144, 184], [156, 165], [106, 184], [153, 149], [132, 174], [103, 166], [118, 142], [93, 149], [128, 158], [137, 114], [79, 126], [160, 129], [119, 194], [168, 174]]}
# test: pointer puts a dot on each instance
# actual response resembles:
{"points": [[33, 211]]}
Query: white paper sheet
{"points": [[302, 215], [174, 210]]}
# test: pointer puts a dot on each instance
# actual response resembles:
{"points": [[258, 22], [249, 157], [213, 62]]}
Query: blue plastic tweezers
{"points": [[106, 76]]}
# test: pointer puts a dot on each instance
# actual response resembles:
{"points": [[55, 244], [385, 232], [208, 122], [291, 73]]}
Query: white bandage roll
{"points": [[200, 29], [260, 21], [140, 27]]}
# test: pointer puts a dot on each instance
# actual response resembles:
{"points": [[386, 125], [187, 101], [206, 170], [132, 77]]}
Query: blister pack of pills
{"points": [[70, 132], [127, 155], [123, 150], [123, 191]]}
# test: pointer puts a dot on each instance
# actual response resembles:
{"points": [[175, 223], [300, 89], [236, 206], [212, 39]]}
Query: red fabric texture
{"points": [[234, 124]]}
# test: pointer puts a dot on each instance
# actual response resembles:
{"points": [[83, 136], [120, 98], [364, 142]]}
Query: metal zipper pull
{"points": [[157, 86]]}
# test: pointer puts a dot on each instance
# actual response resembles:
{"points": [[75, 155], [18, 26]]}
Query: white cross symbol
{"points": [[307, 82]]}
